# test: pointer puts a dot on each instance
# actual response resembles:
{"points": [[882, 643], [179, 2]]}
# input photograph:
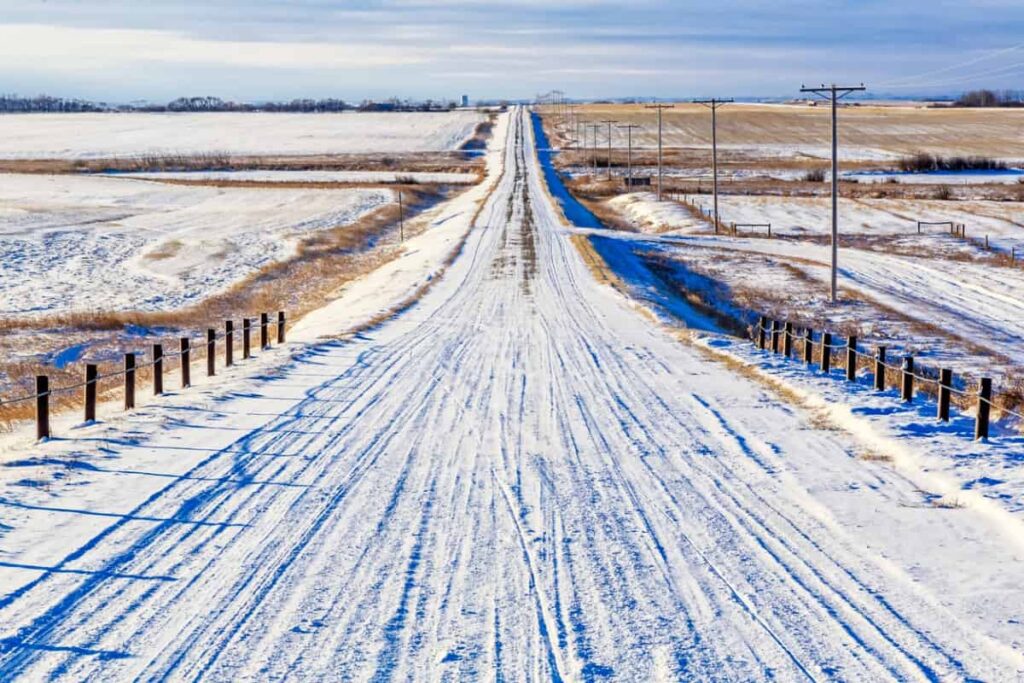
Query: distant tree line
{"points": [[13, 104], [991, 98]]}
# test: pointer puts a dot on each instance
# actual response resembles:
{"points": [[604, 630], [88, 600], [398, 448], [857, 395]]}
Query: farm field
{"points": [[869, 133], [86, 136]]}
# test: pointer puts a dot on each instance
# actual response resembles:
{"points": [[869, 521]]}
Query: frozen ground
{"points": [[83, 136], [519, 478], [311, 176], [108, 243]]}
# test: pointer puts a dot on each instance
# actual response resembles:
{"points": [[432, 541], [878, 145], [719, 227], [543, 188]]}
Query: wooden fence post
{"points": [[787, 341], [808, 346], [280, 327], [984, 409], [945, 384], [246, 338], [129, 381], [761, 323], [229, 343], [826, 352], [880, 368], [91, 373], [907, 385], [776, 335], [158, 369], [211, 352], [264, 338], [851, 358], [186, 363], [42, 407]]}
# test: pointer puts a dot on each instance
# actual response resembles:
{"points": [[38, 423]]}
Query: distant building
{"points": [[465, 100]]}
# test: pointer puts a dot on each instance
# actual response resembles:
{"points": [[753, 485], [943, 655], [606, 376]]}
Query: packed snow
{"points": [[108, 243], [521, 477], [85, 136]]}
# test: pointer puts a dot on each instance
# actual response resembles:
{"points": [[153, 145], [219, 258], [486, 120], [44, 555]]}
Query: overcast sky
{"points": [[121, 50]]}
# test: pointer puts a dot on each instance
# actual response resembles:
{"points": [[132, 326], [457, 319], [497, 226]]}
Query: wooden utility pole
{"points": [[609, 123], [660, 108], [834, 93], [713, 104], [593, 154], [401, 218], [629, 151]]}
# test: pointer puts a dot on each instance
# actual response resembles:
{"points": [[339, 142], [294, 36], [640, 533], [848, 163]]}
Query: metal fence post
{"points": [[42, 407], [211, 352], [826, 352], [158, 369], [984, 409], [945, 384], [880, 368], [186, 363], [229, 343], [129, 381], [907, 385], [91, 374], [851, 358]]}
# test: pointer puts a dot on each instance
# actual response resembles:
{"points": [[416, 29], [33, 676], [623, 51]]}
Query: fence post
{"points": [[880, 368], [264, 339], [984, 409], [907, 385], [158, 369], [808, 346], [42, 407], [776, 334], [280, 327], [129, 381], [229, 343], [91, 373], [787, 341], [826, 352], [761, 323], [945, 383], [211, 352], [246, 338], [851, 358], [186, 364]]}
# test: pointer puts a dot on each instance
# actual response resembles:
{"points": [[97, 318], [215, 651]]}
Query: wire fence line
{"points": [[263, 324], [768, 337]]}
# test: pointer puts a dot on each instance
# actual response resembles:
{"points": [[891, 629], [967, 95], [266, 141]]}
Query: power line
{"points": [[629, 128], [954, 67], [834, 93], [609, 123], [713, 104]]}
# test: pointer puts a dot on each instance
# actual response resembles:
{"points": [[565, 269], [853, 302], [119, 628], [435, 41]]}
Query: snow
{"points": [[520, 478], [99, 242], [645, 211], [310, 176], [84, 136], [1009, 176]]}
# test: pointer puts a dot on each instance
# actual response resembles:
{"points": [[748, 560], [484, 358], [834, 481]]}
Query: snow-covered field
{"points": [[311, 176], [83, 136], [110, 243]]}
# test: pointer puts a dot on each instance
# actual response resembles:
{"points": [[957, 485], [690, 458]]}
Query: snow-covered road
{"points": [[519, 478]]}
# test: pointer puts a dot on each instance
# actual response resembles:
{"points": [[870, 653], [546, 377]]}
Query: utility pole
{"points": [[660, 108], [629, 151], [834, 93], [609, 123], [593, 155], [713, 104]]}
